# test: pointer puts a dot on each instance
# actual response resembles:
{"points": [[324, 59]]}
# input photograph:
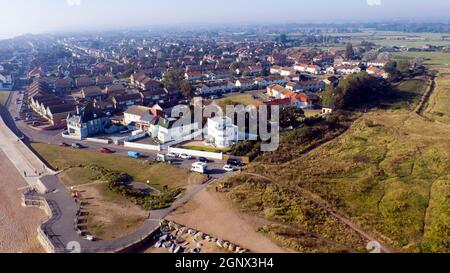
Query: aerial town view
{"points": [[226, 127]]}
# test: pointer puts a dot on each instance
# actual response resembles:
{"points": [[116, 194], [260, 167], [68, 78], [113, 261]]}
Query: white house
{"points": [[222, 132], [135, 114], [169, 129], [246, 84], [347, 69]]}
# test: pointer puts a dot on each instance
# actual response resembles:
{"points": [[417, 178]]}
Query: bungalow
{"points": [[83, 82], [246, 84], [135, 114], [115, 89], [275, 70], [215, 88], [57, 114], [263, 82], [275, 90], [122, 102], [309, 86], [63, 86], [193, 75], [92, 92], [376, 72], [151, 97], [347, 69], [103, 81]]}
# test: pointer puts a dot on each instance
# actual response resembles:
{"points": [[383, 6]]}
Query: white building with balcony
{"points": [[222, 132]]}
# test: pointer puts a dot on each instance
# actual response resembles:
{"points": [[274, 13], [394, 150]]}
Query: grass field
{"points": [[431, 58], [206, 149], [439, 104], [3, 97], [244, 99], [159, 175], [389, 173]]}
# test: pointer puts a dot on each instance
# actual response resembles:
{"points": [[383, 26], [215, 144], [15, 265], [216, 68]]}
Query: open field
{"points": [[389, 173], [439, 104], [3, 97], [159, 175], [431, 58], [396, 38]]}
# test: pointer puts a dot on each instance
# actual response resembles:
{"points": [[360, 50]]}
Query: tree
{"points": [[291, 117], [186, 89], [357, 91], [173, 79], [349, 51]]}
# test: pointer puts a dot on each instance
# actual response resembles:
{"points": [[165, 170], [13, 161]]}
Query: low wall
{"points": [[70, 137], [218, 156], [142, 146], [98, 140]]}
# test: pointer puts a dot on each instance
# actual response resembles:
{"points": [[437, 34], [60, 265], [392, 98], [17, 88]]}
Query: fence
{"points": [[98, 140], [196, 153], [142, 146]]}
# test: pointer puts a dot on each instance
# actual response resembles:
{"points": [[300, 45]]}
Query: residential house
{"points": [[91, 93], [246, 84], [83, 82], [122, 102], [347, 69], [63, 86], [87, 122], [135, 113], [170, 129], [376, 72], [222, 132], [6, 82], [103, 81]]}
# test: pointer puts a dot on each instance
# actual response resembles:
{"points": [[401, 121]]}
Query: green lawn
{"points": [[244, 99], [68, 159], [206, 149], [3, 97]]}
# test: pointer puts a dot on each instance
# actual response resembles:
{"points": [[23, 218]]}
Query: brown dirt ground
{"points": [[212, 213], [18, 225]]}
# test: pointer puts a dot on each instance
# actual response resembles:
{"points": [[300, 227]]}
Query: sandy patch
{"points": [[212, 213]]}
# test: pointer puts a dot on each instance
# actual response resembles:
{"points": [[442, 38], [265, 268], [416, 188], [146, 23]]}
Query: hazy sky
{"points": [[36, 16]]}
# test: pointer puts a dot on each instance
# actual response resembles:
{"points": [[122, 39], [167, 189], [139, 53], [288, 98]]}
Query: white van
{"points": [[200, 167]]}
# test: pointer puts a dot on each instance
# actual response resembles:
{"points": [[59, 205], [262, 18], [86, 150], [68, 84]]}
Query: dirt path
{"points": [[212, 213], [18, 225], [340, 218]]}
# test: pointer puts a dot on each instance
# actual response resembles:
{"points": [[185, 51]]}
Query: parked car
{"points": [[16, 118], [134, 154], [64, 145], [234, 162], [228, 168], [172, 155], [185, 156], [106, 151], [203, 159], [77, 146]]}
